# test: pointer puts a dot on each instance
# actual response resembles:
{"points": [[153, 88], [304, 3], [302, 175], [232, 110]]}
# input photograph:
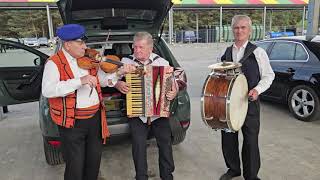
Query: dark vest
{"points": [[251, 71], [249, 63]]}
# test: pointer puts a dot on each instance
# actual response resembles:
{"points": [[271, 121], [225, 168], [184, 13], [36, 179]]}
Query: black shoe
{"points": [[229, 175]]}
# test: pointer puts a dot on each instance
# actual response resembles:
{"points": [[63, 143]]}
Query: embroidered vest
{"points": [[63, 109]]}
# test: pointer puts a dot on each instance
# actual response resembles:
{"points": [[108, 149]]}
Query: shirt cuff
{"points": [[76, 83], [112, 79], [259, 90]]}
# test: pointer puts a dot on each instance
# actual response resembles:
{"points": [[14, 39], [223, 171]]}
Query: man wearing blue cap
{"points": [[75, 100]]}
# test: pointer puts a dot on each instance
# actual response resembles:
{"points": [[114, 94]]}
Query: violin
{"points": [[108, 64], [93, 59]]}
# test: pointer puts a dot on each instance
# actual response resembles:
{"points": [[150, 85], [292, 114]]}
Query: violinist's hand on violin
{"points": [[173, 93], [90, 80], [126, 68], [122, 87]]}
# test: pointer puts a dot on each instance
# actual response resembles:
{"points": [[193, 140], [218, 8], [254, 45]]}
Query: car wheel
{"points": [[178, 137], [303, 103], [53, 154]]}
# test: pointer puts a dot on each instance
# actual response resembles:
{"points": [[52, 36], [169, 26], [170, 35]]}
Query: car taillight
{"points": [[185, 124], [55, 144]]}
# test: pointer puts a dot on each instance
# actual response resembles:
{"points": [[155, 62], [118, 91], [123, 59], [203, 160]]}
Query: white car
{"points": [[31, 42]]}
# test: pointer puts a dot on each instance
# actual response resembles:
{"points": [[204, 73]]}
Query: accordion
{"points": [[147, 95]]}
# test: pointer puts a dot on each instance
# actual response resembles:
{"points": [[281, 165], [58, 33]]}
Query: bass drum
{"points": [[224, 101]]}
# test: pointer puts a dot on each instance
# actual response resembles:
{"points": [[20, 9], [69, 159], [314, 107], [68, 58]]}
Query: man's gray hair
{"points": [[143, 36], [238, 18]]}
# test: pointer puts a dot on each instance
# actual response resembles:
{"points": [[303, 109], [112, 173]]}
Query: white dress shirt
{"points": [[52, 86], [158, 62], [266, 72]]}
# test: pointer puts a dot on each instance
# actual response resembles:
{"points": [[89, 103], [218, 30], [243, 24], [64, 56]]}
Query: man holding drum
{"points": [[259, 74]]}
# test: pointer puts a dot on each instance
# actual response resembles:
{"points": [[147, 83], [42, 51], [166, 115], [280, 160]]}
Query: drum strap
{"points": [[248, 51], [229, 54]]}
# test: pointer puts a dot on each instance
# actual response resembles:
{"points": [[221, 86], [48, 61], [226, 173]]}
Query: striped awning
{"points": [[24, 1], [240, 2], [207, 2]]}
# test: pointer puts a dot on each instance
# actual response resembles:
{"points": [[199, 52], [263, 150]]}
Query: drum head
{"points": [[224, 66], [238, 104]]}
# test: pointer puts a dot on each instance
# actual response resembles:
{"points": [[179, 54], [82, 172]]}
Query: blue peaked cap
{"points": [[71, 32]]}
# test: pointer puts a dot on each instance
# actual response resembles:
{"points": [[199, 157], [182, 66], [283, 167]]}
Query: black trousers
{"points": [[162, 132], [82, 149], [250, 148]]}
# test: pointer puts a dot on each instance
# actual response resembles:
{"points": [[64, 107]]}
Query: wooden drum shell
{"points": [[216, 108]]}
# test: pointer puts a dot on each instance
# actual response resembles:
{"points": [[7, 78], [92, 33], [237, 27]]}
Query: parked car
{"points": [[296, 63], [124, 19], [43, 41], [189, 36], [31, 42]]}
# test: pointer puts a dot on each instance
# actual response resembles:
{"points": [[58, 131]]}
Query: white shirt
{"points": [[52, 86], [158, 62], [266, 72]]}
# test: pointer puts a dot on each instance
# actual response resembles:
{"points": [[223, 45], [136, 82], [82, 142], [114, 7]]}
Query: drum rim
{"points": [[228, 103], [202, 101], [228, 110]]}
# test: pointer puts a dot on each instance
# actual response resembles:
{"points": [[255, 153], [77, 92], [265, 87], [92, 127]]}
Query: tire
{"points": [[53, 155], [303, 103], [178, 137]]}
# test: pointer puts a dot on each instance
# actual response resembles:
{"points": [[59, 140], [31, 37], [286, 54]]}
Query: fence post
{"points": [[1, 113], [207, 34]]}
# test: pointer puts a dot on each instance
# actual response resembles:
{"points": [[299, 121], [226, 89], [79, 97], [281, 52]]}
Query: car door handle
{"points": [[291, 70], [26, 75], [29, 82]]}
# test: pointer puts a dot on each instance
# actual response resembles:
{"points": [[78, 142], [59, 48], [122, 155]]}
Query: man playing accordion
{"points": [[140, 126]]}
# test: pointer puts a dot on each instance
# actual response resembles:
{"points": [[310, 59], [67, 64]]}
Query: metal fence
{"points": [[224, 34]]}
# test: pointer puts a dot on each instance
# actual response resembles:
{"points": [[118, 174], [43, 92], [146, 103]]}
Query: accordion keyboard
{"points": [[135, 100]]}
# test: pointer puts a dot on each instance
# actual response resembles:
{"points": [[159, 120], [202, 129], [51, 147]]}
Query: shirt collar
{"points": [[242, 47], [151, 57]]}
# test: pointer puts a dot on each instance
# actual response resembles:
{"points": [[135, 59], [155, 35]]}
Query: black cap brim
{"points": [[84, 38]]}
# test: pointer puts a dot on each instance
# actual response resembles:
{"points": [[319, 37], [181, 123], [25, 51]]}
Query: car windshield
{"points": [[135, 14], [31, 39], [189, 33], [43, 39]]}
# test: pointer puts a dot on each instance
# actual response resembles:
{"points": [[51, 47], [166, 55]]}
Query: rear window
{"points": [[277, 52], [313, 47], [135, 14], [264, 45]]}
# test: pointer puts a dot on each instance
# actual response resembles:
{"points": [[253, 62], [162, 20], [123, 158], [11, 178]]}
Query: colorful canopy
{"points": [[208, 2], [17, 1], [241, 2]]}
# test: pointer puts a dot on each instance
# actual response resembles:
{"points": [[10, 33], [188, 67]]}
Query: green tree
{"points": [[27, 23]]}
